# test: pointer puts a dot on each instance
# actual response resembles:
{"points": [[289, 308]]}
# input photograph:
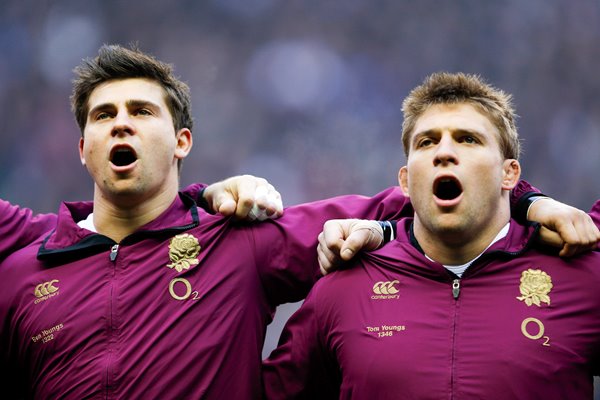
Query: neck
{"points": [[119, 216], [456, 247]]}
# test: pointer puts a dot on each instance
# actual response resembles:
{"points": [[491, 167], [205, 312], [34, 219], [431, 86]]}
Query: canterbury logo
{"points": [[385, 287], [46, 288]]}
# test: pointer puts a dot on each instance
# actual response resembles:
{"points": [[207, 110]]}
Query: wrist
{"points": [[202, 202], [531, 201], [389, 231], [520, 210]]}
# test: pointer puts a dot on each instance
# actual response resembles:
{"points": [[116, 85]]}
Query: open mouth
{"points": [[122, 156], [447, 188]]}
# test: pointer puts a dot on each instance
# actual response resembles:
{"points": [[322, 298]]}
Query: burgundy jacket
{"points": [[176, 310], [20, 227], [521, 323]]}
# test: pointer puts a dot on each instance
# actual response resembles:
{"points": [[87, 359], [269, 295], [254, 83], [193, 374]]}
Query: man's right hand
{"points": [[245, 197], [341, 239]]}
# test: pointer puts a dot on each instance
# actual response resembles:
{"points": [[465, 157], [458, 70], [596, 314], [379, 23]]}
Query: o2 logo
{"points": [[181, 289], [533, 328]]}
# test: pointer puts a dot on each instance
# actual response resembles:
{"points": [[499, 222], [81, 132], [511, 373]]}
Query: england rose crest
{"points": [[535, 287], [183, 252]]}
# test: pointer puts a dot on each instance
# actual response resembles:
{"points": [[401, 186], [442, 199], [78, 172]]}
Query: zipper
{"points": [[455, 294], [456, 288], [109, 350], [113, 252]]}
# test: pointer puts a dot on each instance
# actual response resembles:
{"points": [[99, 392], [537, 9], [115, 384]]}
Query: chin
{"points": [[449, 227], [124, 189]]}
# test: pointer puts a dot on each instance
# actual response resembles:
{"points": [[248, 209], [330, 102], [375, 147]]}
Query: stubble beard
{"points": [[454, 227]]}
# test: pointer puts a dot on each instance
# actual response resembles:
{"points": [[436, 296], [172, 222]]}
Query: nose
{"points": [[122, 124], [445, 152]]}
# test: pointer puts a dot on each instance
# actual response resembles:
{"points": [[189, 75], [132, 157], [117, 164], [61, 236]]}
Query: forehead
{"points": [[122, 90], [452, 117]]}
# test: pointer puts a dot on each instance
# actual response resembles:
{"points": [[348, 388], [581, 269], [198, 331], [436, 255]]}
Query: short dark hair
{"points": [[449, 88], [116, 62]]}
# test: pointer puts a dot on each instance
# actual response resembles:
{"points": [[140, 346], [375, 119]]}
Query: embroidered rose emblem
{"points": [[535, 286], [183, 252]]}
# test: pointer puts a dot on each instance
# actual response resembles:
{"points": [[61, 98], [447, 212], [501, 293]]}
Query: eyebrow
{"points": [[421, 134], [430, 132], [140, 103], [133, 103]]}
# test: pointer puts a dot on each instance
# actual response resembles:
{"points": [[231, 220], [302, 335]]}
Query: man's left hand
{"points": [[563, 226]]}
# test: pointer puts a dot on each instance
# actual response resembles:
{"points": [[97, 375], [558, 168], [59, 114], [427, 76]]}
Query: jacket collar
{"points": [[406, 249], [518, 239], [70, 241]]}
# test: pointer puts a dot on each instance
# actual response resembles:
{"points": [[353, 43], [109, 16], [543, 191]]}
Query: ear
{"points": [[184, 143], [403, 180], [511, 172], [81, 156]]}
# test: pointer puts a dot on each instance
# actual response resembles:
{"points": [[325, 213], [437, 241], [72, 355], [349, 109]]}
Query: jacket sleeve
{"points": [[286, 248], [19, 227], [300, 367], [196, 191], [519, 200]]}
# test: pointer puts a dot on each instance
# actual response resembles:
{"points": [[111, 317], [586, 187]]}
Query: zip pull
{"points": [[456, 288], [113, 252]]}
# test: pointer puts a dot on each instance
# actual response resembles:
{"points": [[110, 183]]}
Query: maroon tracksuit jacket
{"points": [[176, 310], [520, 324]]}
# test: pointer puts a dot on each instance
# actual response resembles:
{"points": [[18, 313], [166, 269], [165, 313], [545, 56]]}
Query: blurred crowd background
{"points": [[305, 93]]}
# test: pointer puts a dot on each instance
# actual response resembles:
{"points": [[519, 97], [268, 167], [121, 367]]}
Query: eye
{"points": [[102, 115], [424, 142], [143, 111], [469, 139]]}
